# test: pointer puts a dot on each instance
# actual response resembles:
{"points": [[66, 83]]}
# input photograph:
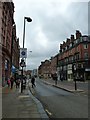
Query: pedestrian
{"points": [[17, 83], [8, 82], [55, 78], [33, 81], [12, 81]]}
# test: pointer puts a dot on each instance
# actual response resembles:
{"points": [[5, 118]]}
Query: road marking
{"points": [[48, 112], [23, 96]]}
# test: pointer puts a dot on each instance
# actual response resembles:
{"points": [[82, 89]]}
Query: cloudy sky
{"points": [[53, 21]]}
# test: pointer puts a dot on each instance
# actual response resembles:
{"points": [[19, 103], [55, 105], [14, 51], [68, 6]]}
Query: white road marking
{"points": [[48, 112]]}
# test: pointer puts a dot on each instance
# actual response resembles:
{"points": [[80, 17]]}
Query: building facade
{"points": [[15, 49], [74, 58], [72, 62], [44, 70], [15, 53], [7, 12], [6, 38]]}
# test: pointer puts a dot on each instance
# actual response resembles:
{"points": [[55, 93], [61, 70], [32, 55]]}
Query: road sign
{"points": [[23, 52]]}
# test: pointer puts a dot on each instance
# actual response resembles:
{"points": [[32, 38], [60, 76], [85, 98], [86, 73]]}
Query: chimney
{"points": [[72, 37], [60, 46], [68, 40], [63, 42], [78, 34]]}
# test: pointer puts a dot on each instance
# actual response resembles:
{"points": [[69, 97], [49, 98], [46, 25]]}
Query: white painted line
{"points": [[48, 112]]}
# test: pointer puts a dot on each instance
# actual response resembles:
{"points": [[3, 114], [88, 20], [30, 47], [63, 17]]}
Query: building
{"points": [[34, 72], [15, 53], [72, 62], [54, 62], [15, 49], [44, 70], [7, 12], [74, 58], [9, 56]]}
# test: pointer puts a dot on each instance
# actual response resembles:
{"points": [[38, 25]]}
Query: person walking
{"points": [[8, 82], [55, 78], [17, 83], [33, 82], [12, 81]]}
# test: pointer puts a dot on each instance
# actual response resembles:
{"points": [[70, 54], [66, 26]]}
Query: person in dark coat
{"points": [[33, 81], [12, 81], [17, 83], [55, 78]]}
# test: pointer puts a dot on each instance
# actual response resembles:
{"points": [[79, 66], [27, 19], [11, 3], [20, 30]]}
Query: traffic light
{"points": [[22, 63]]}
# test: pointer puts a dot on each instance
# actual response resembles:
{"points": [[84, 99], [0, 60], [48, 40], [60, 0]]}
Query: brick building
{"points": [[15, 52], [72, 61], [7, 11], [54, 62], [44, 69], [6, 33], [74, 58]]}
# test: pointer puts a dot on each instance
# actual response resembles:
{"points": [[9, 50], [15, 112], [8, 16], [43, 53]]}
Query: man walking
{"points": [[55, 78], [12, 81], [33, 81]]}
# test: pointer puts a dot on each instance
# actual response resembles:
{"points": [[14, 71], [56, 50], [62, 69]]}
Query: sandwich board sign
{"points": [[23, 52]]}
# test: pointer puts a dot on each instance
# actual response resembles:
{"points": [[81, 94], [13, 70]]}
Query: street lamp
{"points": [[28, 20]]}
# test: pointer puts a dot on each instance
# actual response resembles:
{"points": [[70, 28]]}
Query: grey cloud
{"points": [[54, 25]]}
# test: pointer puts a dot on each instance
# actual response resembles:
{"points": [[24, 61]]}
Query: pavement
{"points": [[82, 87], [21, 105]]}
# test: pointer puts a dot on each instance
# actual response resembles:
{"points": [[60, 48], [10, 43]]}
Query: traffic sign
{"points": [[23, 52]]}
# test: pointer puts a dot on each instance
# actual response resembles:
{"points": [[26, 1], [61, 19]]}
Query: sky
{"points": [[53, 21]]}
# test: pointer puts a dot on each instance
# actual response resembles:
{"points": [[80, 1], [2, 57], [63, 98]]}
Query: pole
{"points": [[23, 47], [24, 33], [22, 81], [75, 85]]}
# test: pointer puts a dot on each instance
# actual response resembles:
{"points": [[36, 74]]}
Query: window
{"points": [[85, 46], [81, 39], [70, 44], [85, 55], [77, 56]]}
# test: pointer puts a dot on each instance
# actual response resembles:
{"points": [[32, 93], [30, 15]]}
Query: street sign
{"points": [[23, 52]]}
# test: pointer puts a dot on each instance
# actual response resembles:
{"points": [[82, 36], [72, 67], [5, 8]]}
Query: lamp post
{"points": [[28, 20]]}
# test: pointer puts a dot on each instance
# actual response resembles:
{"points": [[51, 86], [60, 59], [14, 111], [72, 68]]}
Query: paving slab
{"points": [[19, 105]]}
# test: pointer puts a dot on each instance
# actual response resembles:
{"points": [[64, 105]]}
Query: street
{"points": [[59, 103]]}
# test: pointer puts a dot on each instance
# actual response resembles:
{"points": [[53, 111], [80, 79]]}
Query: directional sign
{"points": [[23, 52]]}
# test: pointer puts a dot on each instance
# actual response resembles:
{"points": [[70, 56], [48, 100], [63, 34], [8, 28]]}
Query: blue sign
{"points": [[13, 69], [23, 52]]}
